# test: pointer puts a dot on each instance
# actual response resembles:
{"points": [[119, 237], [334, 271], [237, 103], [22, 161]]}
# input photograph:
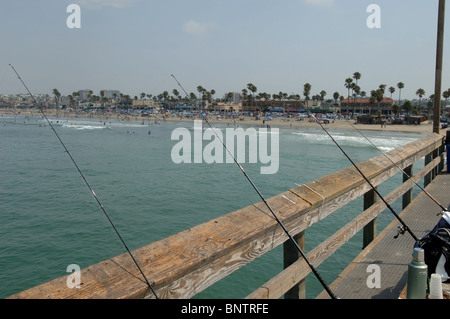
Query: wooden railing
{"points": [[184, 264]]}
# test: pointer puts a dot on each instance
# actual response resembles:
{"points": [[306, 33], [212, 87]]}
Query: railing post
{"points": [[291, 255], [370, 230], [441, 154], [447, 146], [407, 197]]}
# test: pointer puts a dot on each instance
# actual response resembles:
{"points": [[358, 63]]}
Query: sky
{"points": [[135, 45]]}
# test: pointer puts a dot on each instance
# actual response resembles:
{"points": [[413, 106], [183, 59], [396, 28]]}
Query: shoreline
{"points": [[425, 127]]}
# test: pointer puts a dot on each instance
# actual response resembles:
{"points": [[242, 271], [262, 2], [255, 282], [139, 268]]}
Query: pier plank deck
{"points": [[392, 255]]}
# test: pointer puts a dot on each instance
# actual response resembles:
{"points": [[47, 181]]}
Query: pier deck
{"points": [[390, 254]]}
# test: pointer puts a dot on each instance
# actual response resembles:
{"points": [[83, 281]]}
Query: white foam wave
{"points": [[383, 143], [83, 127]]}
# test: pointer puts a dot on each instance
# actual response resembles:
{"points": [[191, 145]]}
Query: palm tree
{"points": [[407, 106], [391, 90], [322, 97], [356, 90], [420, 92], [211, 97], [57, 96], [244, 94], [228, 96], [104, 100], [373, 97], [430, 103], [363, 94], [306, 92], [252, 88], [400, 86], [165, 96], [395, 109], [192, 97], [71, 99], [102, 94], [336, 96], [76, 95], [356, 76], [348, 85], [176, 93], [446, 95], [371, 101], [379, 96], [355, 87]]}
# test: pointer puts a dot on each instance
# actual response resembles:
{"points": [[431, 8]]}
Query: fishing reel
{"points": [[401, 231]]}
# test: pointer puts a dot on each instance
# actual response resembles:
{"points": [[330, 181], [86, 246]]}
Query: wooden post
{"points": [[438, 75], [291, 255], [370, 230], [407, 197], [441, 154], [447, 147]]}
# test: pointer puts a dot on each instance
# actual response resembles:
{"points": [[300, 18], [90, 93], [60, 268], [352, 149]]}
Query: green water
{"points": [[49, 218]]}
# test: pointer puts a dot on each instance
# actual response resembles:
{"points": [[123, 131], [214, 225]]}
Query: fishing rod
{"points": [[87, 183], [404, 227], [291, 238], [404, 172]]}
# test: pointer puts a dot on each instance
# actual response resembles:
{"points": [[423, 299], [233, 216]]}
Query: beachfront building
{"points": [[366, 106], [273, 106], [228, 107], [143, 104], [235, 97], [83, 95], [111, 94]]}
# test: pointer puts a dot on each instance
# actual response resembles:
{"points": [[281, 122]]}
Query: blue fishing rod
{"points": [[291, 238], [87, 183]]}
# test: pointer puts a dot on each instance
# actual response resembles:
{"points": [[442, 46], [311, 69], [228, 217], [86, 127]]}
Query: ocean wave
{"points": [[84, 127], [383, 143]]}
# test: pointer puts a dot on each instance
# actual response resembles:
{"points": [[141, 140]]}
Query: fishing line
{"points": [[87, 183], [404, 226], [407, 175], [265, 202]]}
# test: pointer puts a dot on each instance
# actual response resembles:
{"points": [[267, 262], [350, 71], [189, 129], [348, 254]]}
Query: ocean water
{"points": [[49, 218]]}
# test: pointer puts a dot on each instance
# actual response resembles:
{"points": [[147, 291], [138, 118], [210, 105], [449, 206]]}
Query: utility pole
{"points": [[438, 77]]}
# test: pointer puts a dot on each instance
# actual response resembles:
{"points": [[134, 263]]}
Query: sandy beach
{"points": [[425, 127]]}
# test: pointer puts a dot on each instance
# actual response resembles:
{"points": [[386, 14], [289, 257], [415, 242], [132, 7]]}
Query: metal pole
{"points": [[438, 78]]}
